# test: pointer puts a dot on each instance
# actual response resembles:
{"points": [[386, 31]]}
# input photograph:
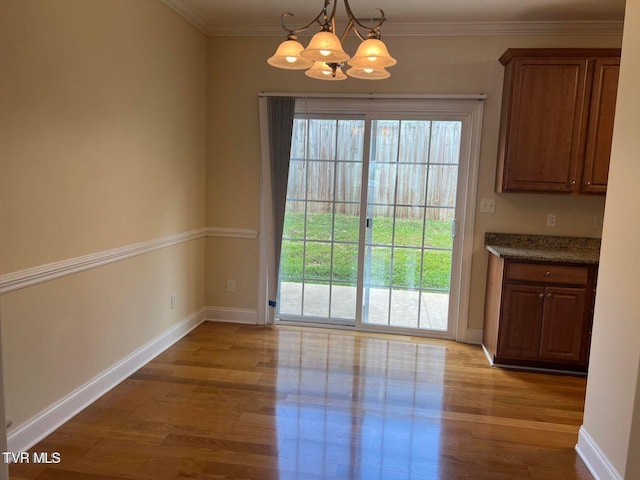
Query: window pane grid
{"points": [[412, 205], [323, 199]]}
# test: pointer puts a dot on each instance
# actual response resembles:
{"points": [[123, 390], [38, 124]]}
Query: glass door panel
{"points": [[320, 244], [413, 173]]}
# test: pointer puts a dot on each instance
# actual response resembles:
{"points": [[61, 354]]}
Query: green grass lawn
{"points": [[405, 257]]}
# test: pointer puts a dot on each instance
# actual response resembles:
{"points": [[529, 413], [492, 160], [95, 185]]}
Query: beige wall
{"points": [[103, 126], [4, 468], [612, 409], [238, 72], [102, 144], [232, 258]]}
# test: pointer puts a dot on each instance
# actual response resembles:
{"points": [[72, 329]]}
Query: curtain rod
{"points": [[478, 96]]}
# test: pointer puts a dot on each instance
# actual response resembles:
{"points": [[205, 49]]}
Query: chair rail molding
{"points": [[231, 232], [50, 271]]}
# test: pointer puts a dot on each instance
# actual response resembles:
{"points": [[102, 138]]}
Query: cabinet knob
{"points": [[588, 184], [541, 295], [548, 295], [547, 274], [573, 182]]}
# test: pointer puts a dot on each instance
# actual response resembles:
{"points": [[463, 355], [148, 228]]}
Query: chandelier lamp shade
{"points": [[324, 57], [288, 56]]}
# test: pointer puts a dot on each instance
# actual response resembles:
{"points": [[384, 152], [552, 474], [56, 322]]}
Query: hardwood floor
{"points": [[244, 402]]}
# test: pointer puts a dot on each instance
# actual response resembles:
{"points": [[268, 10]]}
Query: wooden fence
{"points": [[413, 163]]}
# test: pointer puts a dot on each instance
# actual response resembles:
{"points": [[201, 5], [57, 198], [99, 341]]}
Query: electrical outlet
{"points": [[231, 285], [174, 300], [488, 205], [551, 219]]}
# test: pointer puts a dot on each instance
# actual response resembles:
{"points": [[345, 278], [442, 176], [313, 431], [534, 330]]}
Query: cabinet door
{"points": [[603, 109], [520, 322], [546, 126], [564, 325]]}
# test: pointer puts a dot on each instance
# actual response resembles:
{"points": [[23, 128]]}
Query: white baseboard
{"points": [[594, 458], [486, 354], [231, 315], [28, 434]]}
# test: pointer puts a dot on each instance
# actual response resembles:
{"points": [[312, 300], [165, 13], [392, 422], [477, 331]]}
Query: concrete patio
{"points": [[403, 303]]}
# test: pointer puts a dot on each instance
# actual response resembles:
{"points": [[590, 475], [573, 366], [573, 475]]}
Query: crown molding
{"points": [[446, 29], [415, 29], [190, 15], [503, 28]]}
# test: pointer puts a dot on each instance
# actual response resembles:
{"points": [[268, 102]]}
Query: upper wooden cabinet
{"points": [[558, 107], [602, 113]]}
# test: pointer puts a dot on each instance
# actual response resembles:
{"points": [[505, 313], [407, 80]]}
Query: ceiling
{"points": [[412, 17]]}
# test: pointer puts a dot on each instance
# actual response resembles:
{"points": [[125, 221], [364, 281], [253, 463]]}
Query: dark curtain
{"points": [[280, 111]]}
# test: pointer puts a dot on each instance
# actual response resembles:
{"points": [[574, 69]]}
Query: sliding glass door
{"points": [[371, 219]]}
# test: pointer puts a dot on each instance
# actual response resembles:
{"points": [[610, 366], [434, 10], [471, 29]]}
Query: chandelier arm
{"points": [[351, 26], [375, 28], [332, 18], [297, 30], [359, 35]]}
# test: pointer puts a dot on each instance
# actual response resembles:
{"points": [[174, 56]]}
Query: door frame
{"points": [[468, 108]]}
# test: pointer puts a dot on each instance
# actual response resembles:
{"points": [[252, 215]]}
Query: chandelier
{"points": [[324, 57]]}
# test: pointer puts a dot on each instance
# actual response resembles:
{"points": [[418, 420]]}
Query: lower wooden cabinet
{"points": [[538, 314]]}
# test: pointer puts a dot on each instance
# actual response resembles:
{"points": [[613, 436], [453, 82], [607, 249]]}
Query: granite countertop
{"points": [[543, 248]]}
